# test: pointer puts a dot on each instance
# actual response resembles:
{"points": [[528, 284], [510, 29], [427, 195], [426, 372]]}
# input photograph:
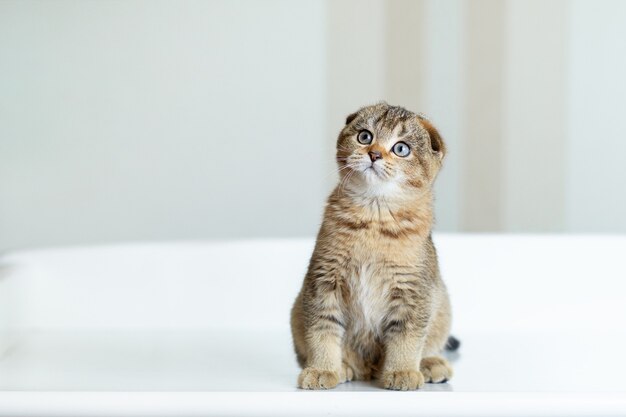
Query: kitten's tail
{"points": [[452, 344]]}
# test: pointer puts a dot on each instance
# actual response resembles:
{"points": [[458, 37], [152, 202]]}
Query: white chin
{"points": [[377, 186], [371, 175]]}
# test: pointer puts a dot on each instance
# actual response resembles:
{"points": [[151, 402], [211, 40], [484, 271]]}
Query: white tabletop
{"points": [[245, 360], [117, 331]]}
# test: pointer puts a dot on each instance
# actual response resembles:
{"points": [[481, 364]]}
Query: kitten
{"points": [[373, 304]]}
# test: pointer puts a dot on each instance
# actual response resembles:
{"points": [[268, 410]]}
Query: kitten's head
{"points": [[388, 150]]}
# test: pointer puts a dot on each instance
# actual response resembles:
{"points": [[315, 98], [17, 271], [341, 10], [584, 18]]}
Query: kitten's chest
{"points": [[367, 298]]}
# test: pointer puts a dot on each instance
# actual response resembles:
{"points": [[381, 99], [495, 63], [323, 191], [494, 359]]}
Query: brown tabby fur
{"points": [[372, 304]]}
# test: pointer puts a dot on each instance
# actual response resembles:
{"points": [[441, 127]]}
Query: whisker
{"points": [[345, 180], [344, 167]]}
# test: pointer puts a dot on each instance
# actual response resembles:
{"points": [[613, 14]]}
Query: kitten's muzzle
{"points": [[375, 155]]}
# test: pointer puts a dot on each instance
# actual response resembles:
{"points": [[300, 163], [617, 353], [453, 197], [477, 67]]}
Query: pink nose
{"points": [[374, 155]]}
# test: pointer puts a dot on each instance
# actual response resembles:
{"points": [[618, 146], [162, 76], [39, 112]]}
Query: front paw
{"points": [[311, 378], [404, 380]]}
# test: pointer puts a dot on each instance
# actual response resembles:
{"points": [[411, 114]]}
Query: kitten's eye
{"points": [[365, 137], [401, 149]]}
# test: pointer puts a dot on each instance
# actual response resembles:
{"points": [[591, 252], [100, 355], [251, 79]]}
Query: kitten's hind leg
{"points": [[435, 369], [346, 374]]}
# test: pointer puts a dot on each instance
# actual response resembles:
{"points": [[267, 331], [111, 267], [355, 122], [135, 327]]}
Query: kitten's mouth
{"points": [[373, 169]]}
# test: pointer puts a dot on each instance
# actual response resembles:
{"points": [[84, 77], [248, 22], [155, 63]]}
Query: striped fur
{"points": [[372, 304]]}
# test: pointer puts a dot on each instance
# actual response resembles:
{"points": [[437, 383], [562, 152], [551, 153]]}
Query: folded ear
{"points": [[350, 118], [436, 141]]}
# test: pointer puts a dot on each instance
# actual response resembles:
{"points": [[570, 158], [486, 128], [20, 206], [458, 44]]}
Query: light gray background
{"points": [[176, 120]]}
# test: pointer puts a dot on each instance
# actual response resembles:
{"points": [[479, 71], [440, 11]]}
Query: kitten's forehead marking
{"points": [[391, 135], [391, 130], [399, 131]]}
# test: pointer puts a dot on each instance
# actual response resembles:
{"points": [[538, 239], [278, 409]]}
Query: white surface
{"points": [[540, 319], [259, 360], [313, 404]]}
